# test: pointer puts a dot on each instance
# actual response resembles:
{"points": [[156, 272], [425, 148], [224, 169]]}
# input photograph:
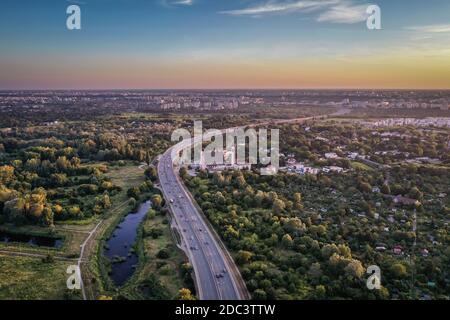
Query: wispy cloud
{"points": [[281, 7], [184, 2], [344, 13], [435, 28], [178, 2], [334, 11]]}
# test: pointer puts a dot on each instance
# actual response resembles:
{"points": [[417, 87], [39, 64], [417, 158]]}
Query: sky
{"points": [[224, 44]]}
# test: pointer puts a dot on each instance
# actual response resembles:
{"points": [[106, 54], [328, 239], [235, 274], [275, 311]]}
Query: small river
{"points": [[40, 241], [119, 246]]}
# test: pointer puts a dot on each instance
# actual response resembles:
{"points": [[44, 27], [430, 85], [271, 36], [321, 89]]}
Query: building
{"points": [[331, 155], [405, 201], [398, 250]]}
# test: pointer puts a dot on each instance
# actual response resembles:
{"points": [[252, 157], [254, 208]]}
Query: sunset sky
{"points": [[150, 44]]}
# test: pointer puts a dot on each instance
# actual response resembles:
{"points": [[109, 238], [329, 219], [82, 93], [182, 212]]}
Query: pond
{"points": [[119, 248], [40, 241]]}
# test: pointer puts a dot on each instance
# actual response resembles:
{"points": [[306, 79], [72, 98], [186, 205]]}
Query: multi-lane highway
{"points": [[216, 275]]}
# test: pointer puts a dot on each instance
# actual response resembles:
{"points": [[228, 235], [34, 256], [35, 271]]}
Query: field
{"points": [[30, 278], [169, 271]]}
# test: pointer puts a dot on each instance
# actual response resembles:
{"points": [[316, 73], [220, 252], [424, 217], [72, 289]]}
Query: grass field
{"points": [[126, 176], [168, 274], [24, 278]]}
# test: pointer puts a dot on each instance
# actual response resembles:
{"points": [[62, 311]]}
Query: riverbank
{"points": [[161, 269]]}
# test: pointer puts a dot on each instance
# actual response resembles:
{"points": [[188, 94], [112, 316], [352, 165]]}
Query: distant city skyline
{"points": [[232, 44]]}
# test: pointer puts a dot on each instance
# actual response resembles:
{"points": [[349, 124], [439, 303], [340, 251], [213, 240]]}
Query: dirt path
{"points": [[32, 255]]}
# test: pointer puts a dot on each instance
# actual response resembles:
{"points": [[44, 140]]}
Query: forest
{"points": [[313, 236]]}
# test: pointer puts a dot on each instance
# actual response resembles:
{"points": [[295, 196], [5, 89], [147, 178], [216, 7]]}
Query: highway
{"points": [[216, 278], [216, 275]]}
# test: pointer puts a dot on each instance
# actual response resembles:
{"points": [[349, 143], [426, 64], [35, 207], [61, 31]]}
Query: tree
{"points": [[219, 198], [106, 201], [185, 294], [297, 197], [107, 185], [14, 209], [244, 256], [298, 201], [36, 210], [416, 194], [345, 251], [259, 294], [294, 226], [134, 192], [315, 271], [157, 201], [272, 195], [259, 198], [132, 202], [365, 187], [320, 292], [151, 214], [328, 250], [6, 174], [386, 189], [47, 216], [163, 254], [58, 179], [399, 270], [57, 209], [287, 241], [75, 162], [241, 182], [6, 194], [355, 269], [183, 172], [278, 206], [62, 164], [75, 211], [231, 233], [218, 179], [151, 173], [148, 158]]}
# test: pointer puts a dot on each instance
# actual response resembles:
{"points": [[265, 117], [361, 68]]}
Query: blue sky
{"points": [[163, 35]]}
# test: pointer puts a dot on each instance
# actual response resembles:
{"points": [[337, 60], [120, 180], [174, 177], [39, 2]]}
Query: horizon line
{"points": [[230, 89]]}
